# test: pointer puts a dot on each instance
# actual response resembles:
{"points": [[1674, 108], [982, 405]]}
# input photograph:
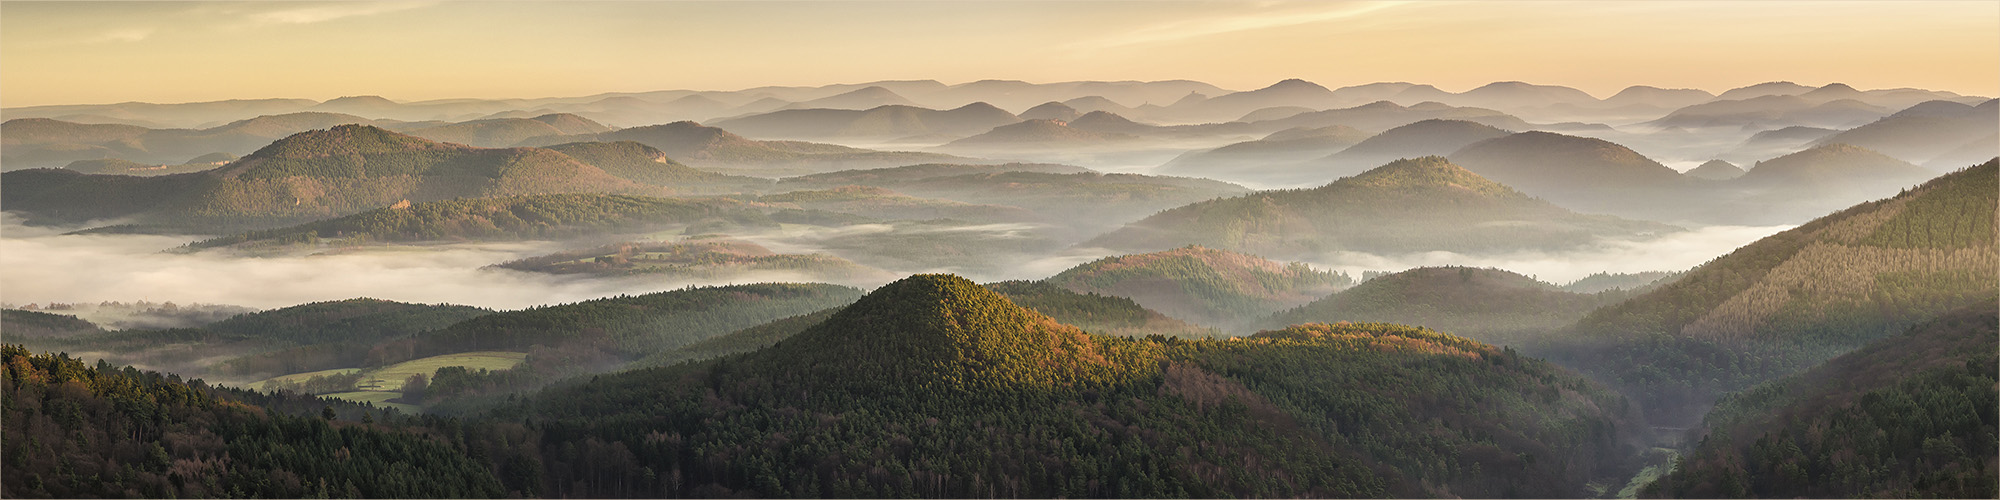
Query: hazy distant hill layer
{"points": [[1206, 286], [885, 122], [1281, 148], [717, 149], [1489, 305], [699, 258], [881, 203], [343, 170], [1424, 204], [48, 143], [489, 219], [1056, 193]]}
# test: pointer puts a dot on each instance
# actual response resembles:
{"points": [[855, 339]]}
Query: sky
{"points": [[104, 52]]}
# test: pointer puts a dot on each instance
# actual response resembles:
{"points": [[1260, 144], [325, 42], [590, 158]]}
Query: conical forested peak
{"points": [[932, 309], [936, 332], [1295, 85], [346, 140], [1429, 172]]}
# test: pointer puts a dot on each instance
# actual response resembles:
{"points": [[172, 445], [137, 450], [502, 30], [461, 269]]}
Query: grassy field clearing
{"points": [[391, 378]]}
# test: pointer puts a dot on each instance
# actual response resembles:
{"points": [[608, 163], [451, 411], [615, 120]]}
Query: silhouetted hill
{"points": [[1969, 154], [1657, 97], [717, 149], [1384, 115], [504, 132], [862, 98], [1715, 170], [1106, 122], [1292, 92], [1775, 111], [1283, 147], [1583, 173], [1051, 111], [1043, 133], [1543, 161], [1924, 131], [1763, 89], [1796, 298], [1833, 172], [1210, 287], [1424, 204], [1522, 95], [34, 131], [883, 122], [1424, 138], [1906, 416]]}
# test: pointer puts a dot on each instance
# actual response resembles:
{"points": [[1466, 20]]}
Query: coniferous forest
{"points": [[1020, 249]]}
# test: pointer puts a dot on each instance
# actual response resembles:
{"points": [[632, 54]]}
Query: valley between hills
{"points": [[1007, 289]]}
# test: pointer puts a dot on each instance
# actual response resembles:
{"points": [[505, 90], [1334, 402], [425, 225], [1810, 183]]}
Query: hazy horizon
{"points": [[87, 53]]}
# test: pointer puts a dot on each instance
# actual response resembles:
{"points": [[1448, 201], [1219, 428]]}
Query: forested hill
{"points": [[510, 218], [1490, 305], [32, 324], [624, 327], [354, 320], [327, 173], [1909, 416], [935, 386], [1799, 297], [1411, 205], [1214, 288]]}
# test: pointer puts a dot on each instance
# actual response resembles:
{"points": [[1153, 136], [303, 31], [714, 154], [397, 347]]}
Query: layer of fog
{"points": [[40, 266], [1674, 252]]}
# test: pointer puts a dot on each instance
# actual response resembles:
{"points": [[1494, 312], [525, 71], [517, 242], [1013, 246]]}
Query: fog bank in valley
{"points": [[39, 266], [1672, 252]]}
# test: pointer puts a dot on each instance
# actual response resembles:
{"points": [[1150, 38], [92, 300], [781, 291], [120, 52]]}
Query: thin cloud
{"points": [[1196, 28], [122, 36], [329, 12]]}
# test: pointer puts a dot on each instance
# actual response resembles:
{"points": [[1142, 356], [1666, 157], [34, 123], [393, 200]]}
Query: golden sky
{"points": [[98, 52]]}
